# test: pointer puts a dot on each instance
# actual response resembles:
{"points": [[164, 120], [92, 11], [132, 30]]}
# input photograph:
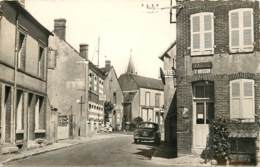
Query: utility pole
{"points": [[98, 50]]}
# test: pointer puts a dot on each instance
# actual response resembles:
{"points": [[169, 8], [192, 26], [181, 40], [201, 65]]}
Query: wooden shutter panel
{"points": [[234, 30], [195, 33], [235, 99], [247, 30], [208, 32], [248, 111]]}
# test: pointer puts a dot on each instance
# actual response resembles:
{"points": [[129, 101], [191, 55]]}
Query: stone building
{"points": [[23, 80], [114, 94], [67, 80], [218, 73], [169, 80], [143, 97], [96, 98]]}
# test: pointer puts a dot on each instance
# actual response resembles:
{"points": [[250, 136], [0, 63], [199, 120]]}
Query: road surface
{"points": [[117, 151]]}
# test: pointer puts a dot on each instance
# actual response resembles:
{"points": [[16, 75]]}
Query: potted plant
{"points": [[218, 145]]}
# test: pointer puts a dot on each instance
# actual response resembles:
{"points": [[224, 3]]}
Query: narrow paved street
{"points": [[106, 152]]}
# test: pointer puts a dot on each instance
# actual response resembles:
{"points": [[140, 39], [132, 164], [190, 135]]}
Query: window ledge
{"points": [[202, 53], [20, 131], [39, 131]]}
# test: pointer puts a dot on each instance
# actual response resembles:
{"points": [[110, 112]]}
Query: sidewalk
{"points": [[166, 155], [59, 145]]}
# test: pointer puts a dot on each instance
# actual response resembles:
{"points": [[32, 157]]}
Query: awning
{"points": [[243, 134]]}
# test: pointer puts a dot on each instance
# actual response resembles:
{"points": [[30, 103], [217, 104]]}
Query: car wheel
{"points": [[157, 140]]}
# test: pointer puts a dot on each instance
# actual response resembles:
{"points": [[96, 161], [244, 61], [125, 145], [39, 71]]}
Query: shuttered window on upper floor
{"points": [[202, 33], [241, 30]]}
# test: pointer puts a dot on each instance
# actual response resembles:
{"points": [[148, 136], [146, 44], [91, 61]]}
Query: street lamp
{"points": [[80, 101]]}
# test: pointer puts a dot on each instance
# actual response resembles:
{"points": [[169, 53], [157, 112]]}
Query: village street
{"points": [[119, 151]]}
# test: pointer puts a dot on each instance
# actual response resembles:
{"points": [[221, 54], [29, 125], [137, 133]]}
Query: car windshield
{"points": [[147, 125]]}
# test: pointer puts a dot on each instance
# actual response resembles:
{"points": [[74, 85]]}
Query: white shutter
{"points": [[195, 33], [235, 92], [36, 112], [241, 32], [247, 31], [247, 99], [202, 34]]}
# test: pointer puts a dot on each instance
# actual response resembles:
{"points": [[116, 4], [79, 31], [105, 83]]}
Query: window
{"points": [[202, 34], [147, 98], [157, 100], [242, 102], [41, 59], [19, 111], [39, 114], [241, 31], [21, 51], [114, 97]]}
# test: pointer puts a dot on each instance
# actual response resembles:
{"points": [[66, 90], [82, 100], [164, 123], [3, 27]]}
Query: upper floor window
{"points": [[41, 59], [147, 98], [157, 100], [21, 51], [202, 34], [241, 30], [242, 99]]}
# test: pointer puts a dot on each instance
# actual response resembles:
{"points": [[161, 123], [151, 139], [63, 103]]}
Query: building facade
{"points": [[217, 72], [143, 97], [114, 94], [96, 98], [170, 100], [67, 71], [23, 80]]}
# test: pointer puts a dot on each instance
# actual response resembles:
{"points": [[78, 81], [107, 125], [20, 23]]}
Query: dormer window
{"points": [[202, 34], [241, 30]]}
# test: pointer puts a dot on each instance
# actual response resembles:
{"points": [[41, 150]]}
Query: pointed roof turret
{"points": [[131, 67]]}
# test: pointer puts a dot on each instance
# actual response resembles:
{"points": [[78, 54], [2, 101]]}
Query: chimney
{"points": [[83, 51], [107, 64], [22, 2], [60, 28]]}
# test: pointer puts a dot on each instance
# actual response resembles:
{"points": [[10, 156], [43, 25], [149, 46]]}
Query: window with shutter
{"points": [[241, 32], [242, 99], [202, 34]]}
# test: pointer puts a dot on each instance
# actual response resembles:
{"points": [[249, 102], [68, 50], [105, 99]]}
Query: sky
{"points": [[121, 25]]}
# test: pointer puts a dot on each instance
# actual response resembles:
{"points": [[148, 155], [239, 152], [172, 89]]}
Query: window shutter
{"points": [[208, 32], [248, 111], [195, 33], [241, 32], [234, 30], [247, 29], [235, 99]]}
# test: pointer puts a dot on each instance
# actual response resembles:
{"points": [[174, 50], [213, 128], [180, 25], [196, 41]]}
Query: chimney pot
{"points": [[83, 51], [60, 28]]}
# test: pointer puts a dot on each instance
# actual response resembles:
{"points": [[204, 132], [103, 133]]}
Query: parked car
{"points": [[147, 131]]}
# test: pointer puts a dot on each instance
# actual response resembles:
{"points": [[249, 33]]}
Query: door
{"points": [[204, 112]]}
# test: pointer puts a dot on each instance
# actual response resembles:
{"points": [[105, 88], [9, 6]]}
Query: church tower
{"points": [[131, 67]]}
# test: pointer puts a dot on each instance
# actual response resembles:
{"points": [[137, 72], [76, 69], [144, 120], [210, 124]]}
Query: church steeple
{"points": [[130, 67]]}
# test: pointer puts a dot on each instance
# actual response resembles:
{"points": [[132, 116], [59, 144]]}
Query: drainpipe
{"points": [[13, 133]]}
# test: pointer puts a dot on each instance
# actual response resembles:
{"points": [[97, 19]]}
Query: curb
{"points": [[19, 157]]}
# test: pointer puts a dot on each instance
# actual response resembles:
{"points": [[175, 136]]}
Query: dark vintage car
{"points": [[147, 131]]}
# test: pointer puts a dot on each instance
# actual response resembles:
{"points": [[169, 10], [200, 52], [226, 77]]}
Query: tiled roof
{"points": [[140, 81]]}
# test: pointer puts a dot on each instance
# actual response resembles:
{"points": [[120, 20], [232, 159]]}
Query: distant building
{"points": [[114, 94], [23, 80], [143, 97], [169, 80], [96, 98], [67, 80]]}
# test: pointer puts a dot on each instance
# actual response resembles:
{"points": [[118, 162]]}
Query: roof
{"points": [[169, 48], [96, 70], [140, 82], [28, 14]]}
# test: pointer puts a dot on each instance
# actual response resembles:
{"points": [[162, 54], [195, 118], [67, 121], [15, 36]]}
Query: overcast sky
{"points": [[121, 24]]}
